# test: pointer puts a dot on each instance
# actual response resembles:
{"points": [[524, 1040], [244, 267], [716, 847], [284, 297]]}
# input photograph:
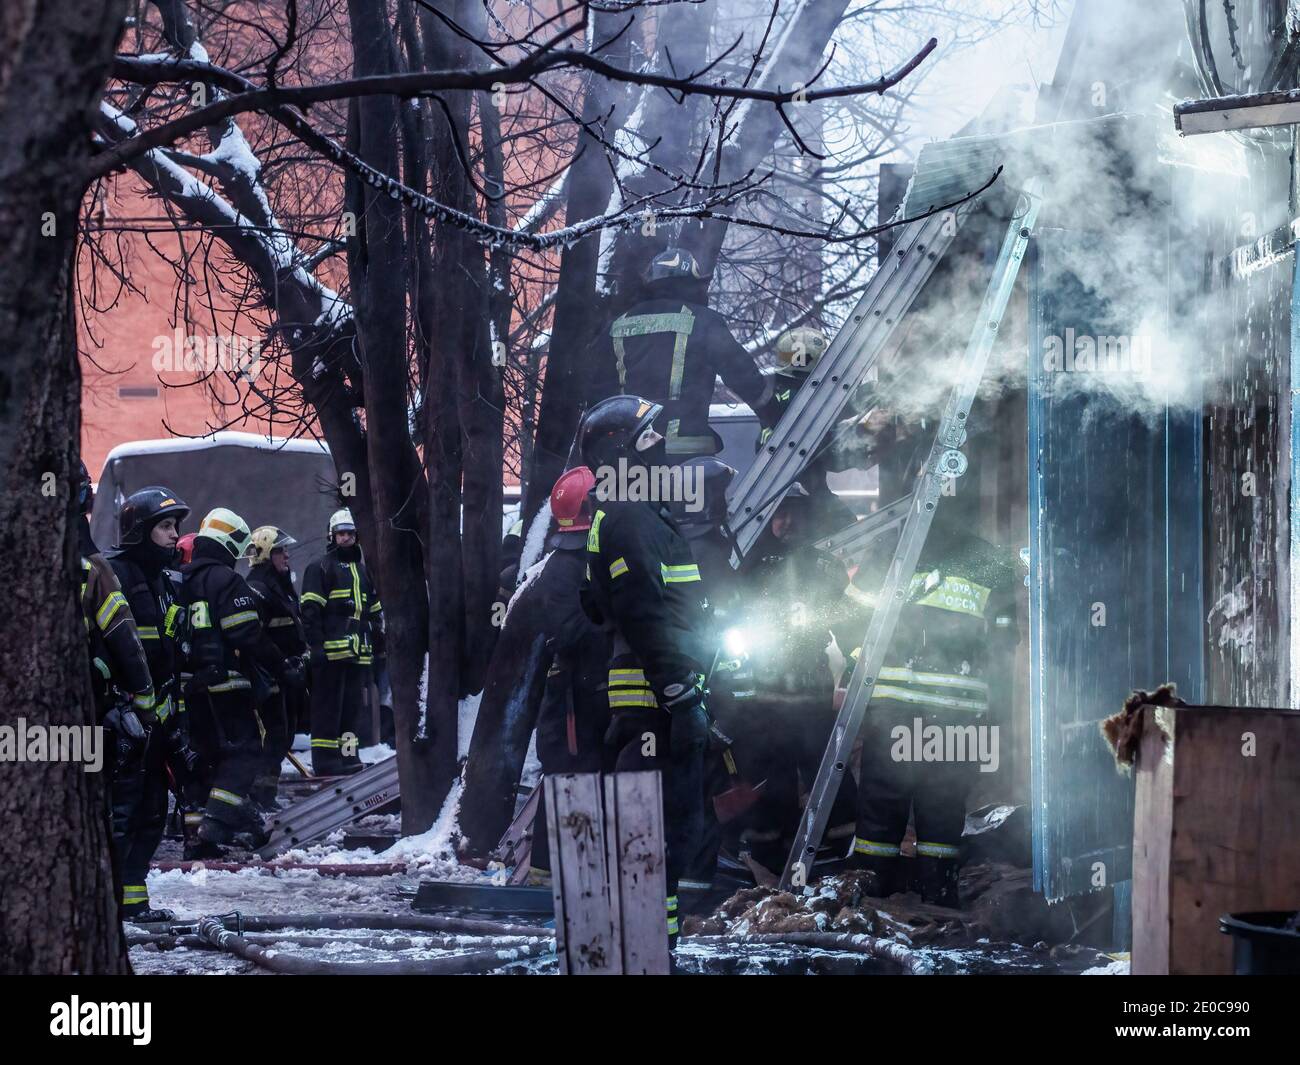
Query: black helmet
{"points": [[673, 263], [144, 509], [716, 476], [610, 429], [85, 492]]}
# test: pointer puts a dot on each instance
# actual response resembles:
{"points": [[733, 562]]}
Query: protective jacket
{"points": [[341, 611], [278, 604], [670, 351], [229, 649], [958, 603], [116, 655], [154, 601], [642, 580]]}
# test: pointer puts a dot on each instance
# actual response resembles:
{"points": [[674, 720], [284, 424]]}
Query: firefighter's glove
{"points": [[295, 676], [685, 694], [129, 734]]}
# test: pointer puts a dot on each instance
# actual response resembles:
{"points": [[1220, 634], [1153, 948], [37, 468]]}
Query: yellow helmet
{"points": [[266, 538], [799, 349], [228, 529]]}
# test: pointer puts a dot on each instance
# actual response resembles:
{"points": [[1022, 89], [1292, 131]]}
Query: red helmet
{"points": [[185, 545], [569, 506]]}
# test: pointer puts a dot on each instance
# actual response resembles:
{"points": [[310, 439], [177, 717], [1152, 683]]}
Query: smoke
{"points": [[1122, 274]]}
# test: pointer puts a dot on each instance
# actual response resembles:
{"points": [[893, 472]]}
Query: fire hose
{"points": [[911, 963], [213, 931]]}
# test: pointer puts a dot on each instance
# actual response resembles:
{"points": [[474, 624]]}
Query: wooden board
{"points": [[634, 838], [1215, 830], [585, 938]]}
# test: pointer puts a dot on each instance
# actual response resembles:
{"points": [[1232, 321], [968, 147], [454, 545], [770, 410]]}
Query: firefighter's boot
{"points": [[937, 881], [886, 874]]}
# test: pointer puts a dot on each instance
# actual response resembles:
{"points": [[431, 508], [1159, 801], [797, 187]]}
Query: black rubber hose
{"points": [[480, 961]]}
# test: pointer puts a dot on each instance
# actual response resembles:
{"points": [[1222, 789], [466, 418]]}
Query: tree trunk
{"points": [[56, 882], [577, 311], [378, 269]]}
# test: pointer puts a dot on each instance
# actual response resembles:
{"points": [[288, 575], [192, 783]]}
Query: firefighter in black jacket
{"points": [[670, 348], [344, 623], [124, 703], [234, 663], [148, 530], [574, 713], [959, 610], [277, 605], [642, 581]]}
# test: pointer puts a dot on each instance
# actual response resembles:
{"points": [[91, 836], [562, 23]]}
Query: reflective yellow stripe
{"points": [[331, 745], [311, 597], [235, 683], [144, 701], [871, 847], [618, 567], [626, 676], [631, 698], [109, 608], [593, 534], [908, 695], [341, 593], [679, 574], [937, 850], [344, 642], [933, 680], [376, 606], [356, 590], [133, 893], [242, 617], [229, 797], [147, 632]]}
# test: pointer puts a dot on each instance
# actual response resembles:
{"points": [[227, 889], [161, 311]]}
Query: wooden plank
{"points": [[586, 940], [1216, 818], [634, 837], [1151, 836]]}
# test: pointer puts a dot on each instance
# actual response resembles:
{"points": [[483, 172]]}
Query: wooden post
{"points": [[634, 836], [1218, 801], [607, 872]]}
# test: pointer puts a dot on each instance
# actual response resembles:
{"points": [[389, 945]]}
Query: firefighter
{"points": [[574, 713], [801, 608], [643, 583], [233, 664], [148, 528], [670, 348], [344, 623], [124, 699], [859, 438], [959, 610], [271, 579]]}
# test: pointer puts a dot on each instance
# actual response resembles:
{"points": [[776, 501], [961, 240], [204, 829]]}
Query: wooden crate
{"points": [[1216, 830]]}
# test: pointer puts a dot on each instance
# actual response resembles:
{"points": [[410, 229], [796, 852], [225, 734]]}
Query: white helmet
{"points": [[228, 529], [798, 349], [342, 520]]}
